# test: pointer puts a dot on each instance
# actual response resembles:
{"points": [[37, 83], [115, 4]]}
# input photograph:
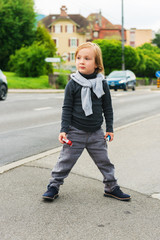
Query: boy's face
{"points": [[85, 61]]}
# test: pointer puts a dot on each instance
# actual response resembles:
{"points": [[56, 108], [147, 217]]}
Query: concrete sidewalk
{"points": [[81, 211]]}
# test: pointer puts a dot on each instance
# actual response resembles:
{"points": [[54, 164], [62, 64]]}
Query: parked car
{"points": [[121, 80], [3, 86]]}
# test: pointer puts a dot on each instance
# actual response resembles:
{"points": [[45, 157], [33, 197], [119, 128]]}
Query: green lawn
{"points": [[15, 82]]}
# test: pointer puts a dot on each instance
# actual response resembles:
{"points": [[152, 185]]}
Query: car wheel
{"points": [[134, 88], [125, 87], [3, 92]]}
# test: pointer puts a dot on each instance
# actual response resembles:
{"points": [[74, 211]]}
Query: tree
{"points": [[156, 40], [30, 61], [17, 27], [131, 58], [112, 55], [140, 67], [44, 38], [151, 58]]}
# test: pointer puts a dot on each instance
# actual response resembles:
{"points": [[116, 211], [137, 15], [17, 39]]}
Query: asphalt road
{"points": [[30, 123]]}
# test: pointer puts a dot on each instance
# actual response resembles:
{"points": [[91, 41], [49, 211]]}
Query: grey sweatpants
{"points": [[96, 146]]}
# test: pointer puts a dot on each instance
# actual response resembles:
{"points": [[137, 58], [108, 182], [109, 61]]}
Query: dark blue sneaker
{"points": [[117, 194], [51, 193]]}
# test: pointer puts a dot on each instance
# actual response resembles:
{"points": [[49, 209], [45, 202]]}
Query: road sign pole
{"points": [[158, 82], [158, 78]]}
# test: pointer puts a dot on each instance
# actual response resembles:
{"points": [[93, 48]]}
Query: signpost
{"points": [[158, 78], [52, 77], [53, 60]]}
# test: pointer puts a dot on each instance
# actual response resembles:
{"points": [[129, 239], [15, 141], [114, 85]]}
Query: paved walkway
{"points": [[81, 212]]}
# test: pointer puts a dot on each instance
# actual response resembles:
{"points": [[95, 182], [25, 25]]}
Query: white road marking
{"points": [[31, 127], [47, 153], [42, 109], [156, 195]]}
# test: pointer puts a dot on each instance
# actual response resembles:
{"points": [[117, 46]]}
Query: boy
{"points": [[87, 99]]}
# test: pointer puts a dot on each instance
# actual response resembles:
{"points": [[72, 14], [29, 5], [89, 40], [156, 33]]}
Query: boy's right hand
{"points": [[61, 136]]}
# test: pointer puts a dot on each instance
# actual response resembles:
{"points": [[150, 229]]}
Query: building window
{"points": [[132, 38], [95, 34], [55, 41], [58, 28], [69, 28], [73, 42], [72, 56]]}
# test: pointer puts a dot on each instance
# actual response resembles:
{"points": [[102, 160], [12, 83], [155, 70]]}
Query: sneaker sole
{"points": [[49, 198], [112, 196]]}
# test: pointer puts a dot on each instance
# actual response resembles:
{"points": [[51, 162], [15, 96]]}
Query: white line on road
{"points": [[47, 153], [42, 109], [32, 127]]}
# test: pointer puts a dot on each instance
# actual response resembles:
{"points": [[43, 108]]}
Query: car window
{"points": [[117, 74]]}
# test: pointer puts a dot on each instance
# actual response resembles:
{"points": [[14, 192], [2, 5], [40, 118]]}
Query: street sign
{"points": [[158, 74], [54, 60]]}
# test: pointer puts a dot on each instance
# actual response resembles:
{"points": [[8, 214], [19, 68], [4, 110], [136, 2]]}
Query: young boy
{"points": [[87, 99]]}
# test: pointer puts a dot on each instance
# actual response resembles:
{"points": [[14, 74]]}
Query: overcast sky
{"points": [[141, 14]]}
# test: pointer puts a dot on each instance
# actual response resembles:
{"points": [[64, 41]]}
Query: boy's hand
{"points": [[61, 136], [111, 135]]}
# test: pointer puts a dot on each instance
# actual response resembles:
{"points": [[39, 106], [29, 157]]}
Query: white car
{"points": [[3, 86]]}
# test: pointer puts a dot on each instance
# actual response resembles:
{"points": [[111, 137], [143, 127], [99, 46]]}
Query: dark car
{"points": [[122, 80], [3, 86]]}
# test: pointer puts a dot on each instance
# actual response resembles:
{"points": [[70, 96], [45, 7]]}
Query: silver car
{"points": [[3, 86], [121, 80]]}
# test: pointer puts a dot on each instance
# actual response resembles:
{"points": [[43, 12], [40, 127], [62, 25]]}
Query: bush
{"points": [[30, 61], [62, 81]]}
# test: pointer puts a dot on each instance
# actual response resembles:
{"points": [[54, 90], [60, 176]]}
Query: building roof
{"points": [[79, 20]]}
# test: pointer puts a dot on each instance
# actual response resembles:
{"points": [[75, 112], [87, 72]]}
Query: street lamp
{"points": [[123, 60]]}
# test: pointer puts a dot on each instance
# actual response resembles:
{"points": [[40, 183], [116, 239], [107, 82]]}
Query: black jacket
{"points": [[73, 114]]}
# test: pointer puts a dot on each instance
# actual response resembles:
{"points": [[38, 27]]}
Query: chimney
{"points": [[100, 18], [63, 11]]}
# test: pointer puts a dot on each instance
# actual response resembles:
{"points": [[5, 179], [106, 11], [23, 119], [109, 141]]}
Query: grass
{"points": [[16, 82], [42, 82]]}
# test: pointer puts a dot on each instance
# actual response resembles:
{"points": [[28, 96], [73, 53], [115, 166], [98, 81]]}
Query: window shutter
{"points": [[73, 28], [65, 28], [69, 42], [69, 57], [61, 28], [77, 42]]}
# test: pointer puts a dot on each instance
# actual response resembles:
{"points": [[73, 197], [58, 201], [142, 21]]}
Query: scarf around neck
{"points": [[87, 85]]}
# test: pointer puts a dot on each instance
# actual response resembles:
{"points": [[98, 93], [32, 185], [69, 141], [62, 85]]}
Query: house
{"points": [[68, 31], [137, 37], [104, 29]]}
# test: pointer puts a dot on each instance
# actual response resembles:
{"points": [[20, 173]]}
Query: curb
{"points": [[10, 166], [35, 90], [18, 163]]}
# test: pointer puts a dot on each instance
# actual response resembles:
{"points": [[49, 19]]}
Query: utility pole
{"points": [[123, 59]]}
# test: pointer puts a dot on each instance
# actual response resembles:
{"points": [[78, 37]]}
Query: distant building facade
{"points": [[137, 37], [101, 28], [68, 31]]}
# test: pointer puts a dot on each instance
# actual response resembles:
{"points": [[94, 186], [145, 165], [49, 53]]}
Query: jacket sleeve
{"points": [[67, 107], [107, 107]]}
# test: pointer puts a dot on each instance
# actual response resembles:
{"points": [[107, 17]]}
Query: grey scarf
{"points": [[87, 84]]}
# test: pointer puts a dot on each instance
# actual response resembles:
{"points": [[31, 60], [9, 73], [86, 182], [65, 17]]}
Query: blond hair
{"points": [[98, 54]]}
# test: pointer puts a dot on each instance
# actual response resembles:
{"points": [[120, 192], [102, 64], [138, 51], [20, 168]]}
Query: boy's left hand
{"points": [[111, 135]]}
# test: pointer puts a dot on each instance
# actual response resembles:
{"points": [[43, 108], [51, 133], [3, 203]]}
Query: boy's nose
{"points": [[81, 60]]}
